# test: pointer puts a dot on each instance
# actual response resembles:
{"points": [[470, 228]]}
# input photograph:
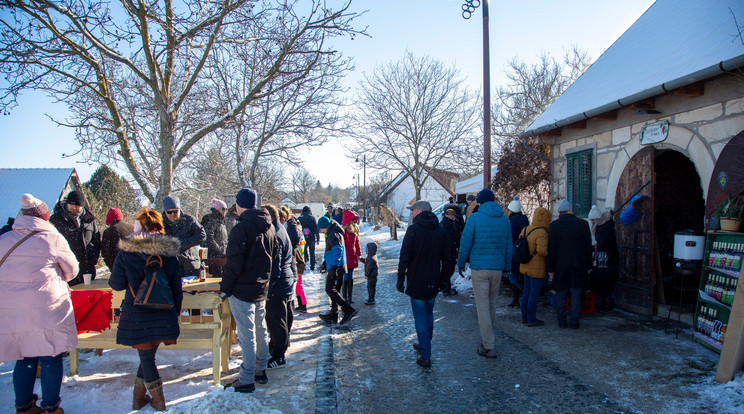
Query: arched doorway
{"points": [[674, 200]]}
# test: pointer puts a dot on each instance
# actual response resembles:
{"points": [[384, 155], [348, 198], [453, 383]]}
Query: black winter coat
{"points": [[607, 242], [569, 251], [252, 247], [110, 240], [191, 235], [282, 273], [214, 227], [518, 222], [294, 230], [371, 267], [84, 239], [138, 326], [423, 257], [308, 222], [453, 231]]}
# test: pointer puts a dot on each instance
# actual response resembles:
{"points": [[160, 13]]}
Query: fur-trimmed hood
{"points": [[151, 244]]}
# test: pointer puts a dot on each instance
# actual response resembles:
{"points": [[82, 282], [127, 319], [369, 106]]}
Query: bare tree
{"points": [[302, 183], [137, 76], [523, 164], [415, 115]]}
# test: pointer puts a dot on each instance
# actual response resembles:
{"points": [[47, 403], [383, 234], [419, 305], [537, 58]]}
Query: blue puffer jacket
{"points": [[487, 239]]}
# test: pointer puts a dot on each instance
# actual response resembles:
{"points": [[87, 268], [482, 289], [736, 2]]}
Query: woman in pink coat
{"points": [[37, 323]]}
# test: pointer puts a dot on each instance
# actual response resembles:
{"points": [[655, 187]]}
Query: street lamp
{"points": [[468, 7], [364, 172]]}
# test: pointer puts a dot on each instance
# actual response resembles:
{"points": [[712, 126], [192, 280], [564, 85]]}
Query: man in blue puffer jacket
{"points": [[487, 241]]}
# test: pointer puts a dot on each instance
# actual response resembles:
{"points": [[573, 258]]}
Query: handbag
{"points": [[154, 293]]}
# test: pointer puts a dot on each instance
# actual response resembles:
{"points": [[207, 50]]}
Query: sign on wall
{"points": [[655, 132]]}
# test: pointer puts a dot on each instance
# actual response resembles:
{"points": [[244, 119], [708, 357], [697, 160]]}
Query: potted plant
{"points": [[730, 212]]}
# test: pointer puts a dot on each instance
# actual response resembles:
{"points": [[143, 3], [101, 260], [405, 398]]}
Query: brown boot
{"points": [[141, 398], [53, 410], [30, 408], [156, 391]]}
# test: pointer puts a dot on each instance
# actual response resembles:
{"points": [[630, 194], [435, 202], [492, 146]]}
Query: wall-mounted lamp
{"points": [[645, 109]]}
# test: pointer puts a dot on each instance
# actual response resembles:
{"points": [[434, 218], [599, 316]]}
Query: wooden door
{"points": [[635, 286]]}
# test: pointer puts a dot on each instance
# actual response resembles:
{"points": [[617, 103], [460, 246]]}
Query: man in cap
{"points": [[452, 229], [117, 228], [312, 235], [252, 248], [188, 231], [421, 273], [78, 225], [518, 222], [487, 242], [569, 262]]}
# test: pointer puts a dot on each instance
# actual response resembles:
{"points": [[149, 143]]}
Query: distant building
{"points": [[401, 193]]}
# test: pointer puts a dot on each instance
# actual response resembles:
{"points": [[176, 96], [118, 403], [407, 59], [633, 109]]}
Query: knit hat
{"points": [[75, 198], [113, 215], [564, 206], [306, 209], [32, 206], [515, 206], [246, 198], [594, 213], [171, 203], [218, 204], [485, 195]]}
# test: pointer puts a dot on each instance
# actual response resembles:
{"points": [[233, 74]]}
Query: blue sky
{"points": [[524, 28]]}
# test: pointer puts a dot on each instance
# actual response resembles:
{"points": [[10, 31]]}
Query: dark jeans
{"points": [[423, 319], [560, 305], [24, 378], [148, 369], [279, 320], [530, 295], [334, 281], [371, 287], [310, 251]]}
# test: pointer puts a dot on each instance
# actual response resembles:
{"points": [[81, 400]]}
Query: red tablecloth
{"points": [[92, 309]]}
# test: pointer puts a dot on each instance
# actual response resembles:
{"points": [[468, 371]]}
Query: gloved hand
{"points": [[461, 270], [400, 286], [333, 271]]}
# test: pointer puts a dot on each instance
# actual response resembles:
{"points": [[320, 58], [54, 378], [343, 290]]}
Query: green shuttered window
{"points": [[579, 181]]}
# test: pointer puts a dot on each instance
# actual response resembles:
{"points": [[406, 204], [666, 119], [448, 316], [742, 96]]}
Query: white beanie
{"points": [[515, 206], [32, 206], [564, 206], [594, 213]]}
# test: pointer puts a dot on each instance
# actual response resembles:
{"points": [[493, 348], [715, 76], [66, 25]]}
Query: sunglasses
{"points": [[171, 212]]}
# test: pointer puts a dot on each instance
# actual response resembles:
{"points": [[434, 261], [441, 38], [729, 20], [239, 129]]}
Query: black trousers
{"points": [[334, 281], [310, 251], [279, 320], [147, 368]]}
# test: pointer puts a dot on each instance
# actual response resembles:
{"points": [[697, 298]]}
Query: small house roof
{"points": [[46, 184], [675, 43]]}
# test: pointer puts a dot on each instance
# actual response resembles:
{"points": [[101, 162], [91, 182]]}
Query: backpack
{"points": [[154, 293], [522, 252]]}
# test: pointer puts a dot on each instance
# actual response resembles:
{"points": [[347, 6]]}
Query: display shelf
{"points": [[713, 301], [725, 272], [708, 341]]}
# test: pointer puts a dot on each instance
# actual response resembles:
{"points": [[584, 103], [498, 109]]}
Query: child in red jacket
{"points": [[353, 252]]}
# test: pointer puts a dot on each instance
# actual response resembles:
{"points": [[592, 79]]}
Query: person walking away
{"points": [[145, 329], [487, 242], [371, 269], [335, 260], [312, 235], [421, 274], [518, 222], [190, 233], [338, 214], [117, 229], [323, 223], [294, 230], [353, 252], [279, 300], [569, 260], [453, 231], [37, 322], [78, 225], [215, 227], [231, 218], [604, 276], [534, 271], [252, 248]]}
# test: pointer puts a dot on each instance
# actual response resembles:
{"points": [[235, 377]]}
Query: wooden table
{"points": [[211, 284]]}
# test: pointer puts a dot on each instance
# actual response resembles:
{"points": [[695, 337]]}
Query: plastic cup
{"points": [[87, 278]]}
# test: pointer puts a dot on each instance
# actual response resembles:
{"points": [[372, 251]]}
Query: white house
{"points": [[401, 193]]}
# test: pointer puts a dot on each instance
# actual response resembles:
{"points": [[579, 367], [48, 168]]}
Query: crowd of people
{"points": [[261, 252]]}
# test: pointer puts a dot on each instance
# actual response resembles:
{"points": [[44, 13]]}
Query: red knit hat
{"points": [[32, 206], [113, 214]]}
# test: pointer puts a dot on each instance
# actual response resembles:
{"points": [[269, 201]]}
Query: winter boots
{"points": [[156, 391], [347, 289], [30, 408], [141, 398]]}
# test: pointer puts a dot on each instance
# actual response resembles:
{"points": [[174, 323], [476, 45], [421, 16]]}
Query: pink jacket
{"points": [[36, 317]]}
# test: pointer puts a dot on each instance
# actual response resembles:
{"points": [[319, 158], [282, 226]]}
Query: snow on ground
{"points": [[104, 384]]}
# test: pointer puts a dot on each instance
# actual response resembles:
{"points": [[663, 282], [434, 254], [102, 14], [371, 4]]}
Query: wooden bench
{"points": [[197, 331]]}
